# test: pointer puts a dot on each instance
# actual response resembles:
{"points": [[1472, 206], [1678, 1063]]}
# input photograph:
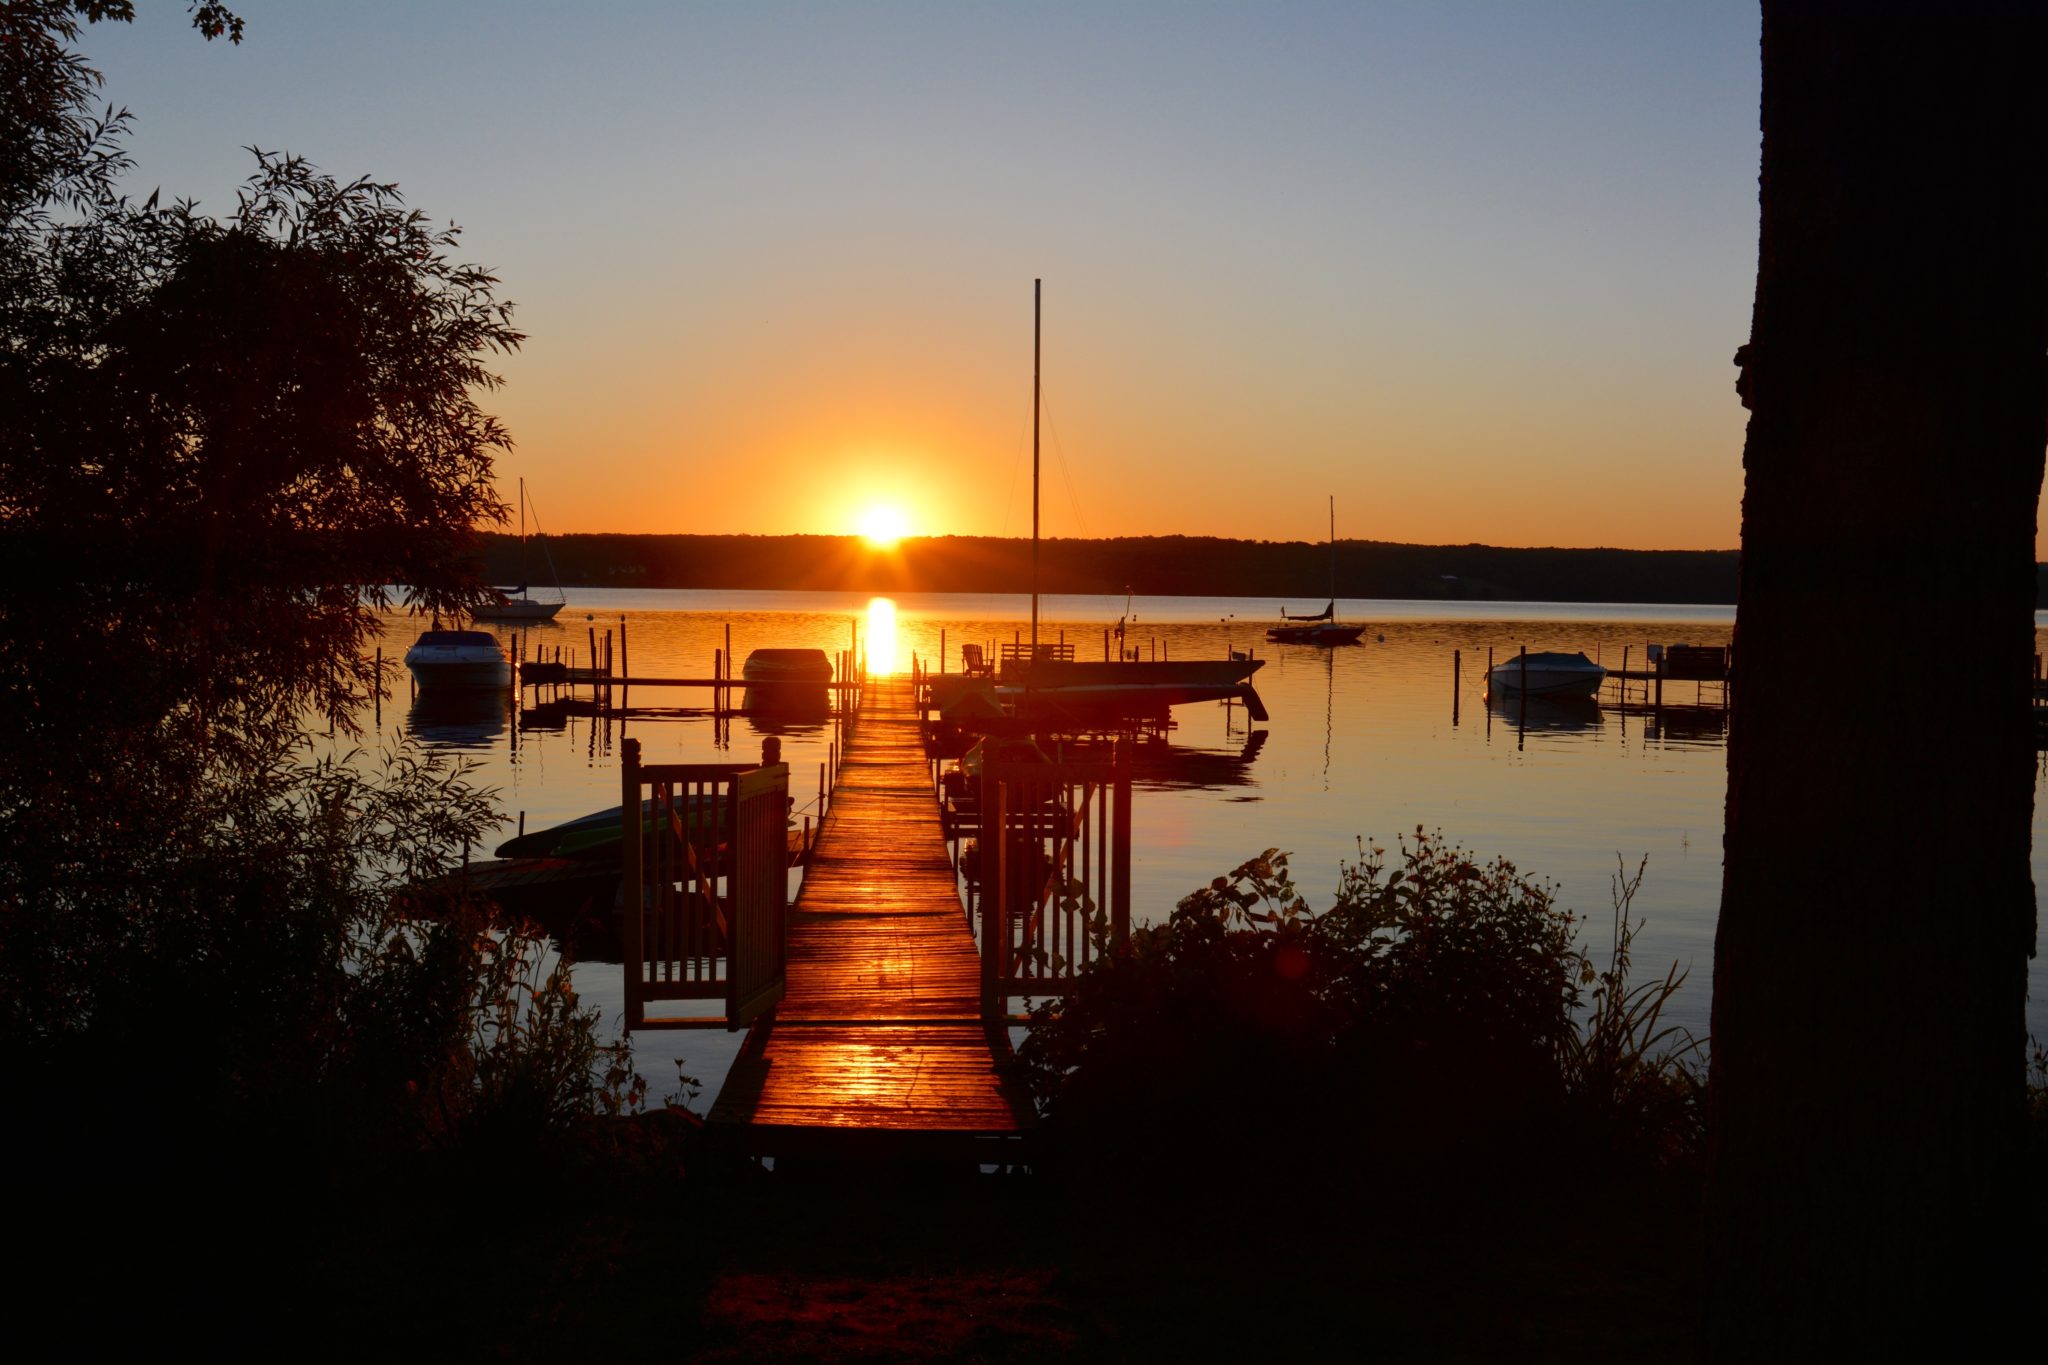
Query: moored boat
{"points": [[1322, 628], [458, 659], [787, 681], [1548, 674], [518, 604], [1135, 690]]}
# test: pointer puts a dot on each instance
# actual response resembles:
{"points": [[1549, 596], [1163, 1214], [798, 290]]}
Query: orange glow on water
{"points": [[881, 643]]}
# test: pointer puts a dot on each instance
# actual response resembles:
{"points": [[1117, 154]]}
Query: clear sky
{"points": [[1478, 269]]}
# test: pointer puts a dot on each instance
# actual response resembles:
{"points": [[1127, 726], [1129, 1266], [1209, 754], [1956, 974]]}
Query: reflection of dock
{"points": [[878, 1047]]}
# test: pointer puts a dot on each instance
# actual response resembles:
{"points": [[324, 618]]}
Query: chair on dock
{"points": [[973, 663]]}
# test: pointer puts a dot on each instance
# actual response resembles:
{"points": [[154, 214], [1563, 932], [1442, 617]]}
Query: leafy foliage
{"points": [[1433, 1008], [219, 439]]}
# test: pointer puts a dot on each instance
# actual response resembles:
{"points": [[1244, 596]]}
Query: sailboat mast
{"points": [[1037, 288], [1333, 557]]}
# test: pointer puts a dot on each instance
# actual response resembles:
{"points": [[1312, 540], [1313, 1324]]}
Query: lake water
{"points": [[1363, 742]]}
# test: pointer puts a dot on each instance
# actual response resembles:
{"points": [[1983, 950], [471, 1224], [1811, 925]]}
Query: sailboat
{"points": [[1321, 628], [1049, 683], [516, 604]]}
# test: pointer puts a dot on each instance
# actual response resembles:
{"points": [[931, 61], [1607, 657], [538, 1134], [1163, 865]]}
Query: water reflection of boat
{"points": [[1156, 763], [1162, 766], [791, 683], [457, 659], [1549, 674], [1535, 712], [459, 718]]}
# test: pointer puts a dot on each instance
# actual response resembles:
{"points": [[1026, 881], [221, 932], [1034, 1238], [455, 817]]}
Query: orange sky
{"points": [[1477, 270]]}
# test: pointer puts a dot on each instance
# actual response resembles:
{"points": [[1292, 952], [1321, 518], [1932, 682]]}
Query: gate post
{"points": [[1120, 851], [630, 896], [995, 898]]}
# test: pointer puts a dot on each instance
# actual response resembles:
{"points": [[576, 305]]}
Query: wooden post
{"points": [[1456, 659], [994, 862], [942, 649], [593, 656], [625, 657], [1120, 849], [630, 903], [1522, 713], [379, 694], [1624, 675]]}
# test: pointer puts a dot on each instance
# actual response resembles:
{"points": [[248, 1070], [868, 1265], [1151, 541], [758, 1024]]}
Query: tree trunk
{"points": [[1877, 911]]}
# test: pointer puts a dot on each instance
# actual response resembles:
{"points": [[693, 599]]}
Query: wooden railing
{"points": [[1054, 873], [704, 891]]}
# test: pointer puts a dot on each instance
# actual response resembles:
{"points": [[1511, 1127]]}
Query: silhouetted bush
{"points": [[1430, 1015]]}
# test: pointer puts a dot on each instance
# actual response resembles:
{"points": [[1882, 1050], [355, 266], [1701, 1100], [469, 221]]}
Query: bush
{"points": [[1431, 1012]]}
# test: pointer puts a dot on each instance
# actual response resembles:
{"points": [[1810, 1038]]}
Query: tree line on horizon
{"points": [[1296, 573]]}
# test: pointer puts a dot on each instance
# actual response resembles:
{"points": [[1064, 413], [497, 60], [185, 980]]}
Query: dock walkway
{"points": [[878, 1046]]}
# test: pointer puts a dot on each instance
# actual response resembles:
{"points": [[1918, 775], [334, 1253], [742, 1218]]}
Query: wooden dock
{"points": [[878, 1048]]}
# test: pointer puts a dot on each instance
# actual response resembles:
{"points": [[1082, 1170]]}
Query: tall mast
{"points": [[1333, 557], [1037, 287]]}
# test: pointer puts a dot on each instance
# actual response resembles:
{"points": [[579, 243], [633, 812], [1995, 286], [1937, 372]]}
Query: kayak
{"points": [[596, 835]]}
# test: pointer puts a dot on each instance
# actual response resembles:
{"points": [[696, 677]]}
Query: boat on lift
{"points": [[1047, 682], [786, 681]]}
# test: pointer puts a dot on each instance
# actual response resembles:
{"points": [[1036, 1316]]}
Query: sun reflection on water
{"points": [[881, 636]]}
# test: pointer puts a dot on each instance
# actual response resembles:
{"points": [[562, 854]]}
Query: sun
{"points": [[882, 525]]}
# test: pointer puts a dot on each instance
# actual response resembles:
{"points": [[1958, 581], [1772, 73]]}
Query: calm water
{"points": [[1368, 741]]}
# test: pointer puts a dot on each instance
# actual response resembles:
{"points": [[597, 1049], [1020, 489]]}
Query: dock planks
{"points": [[878, 1042]]}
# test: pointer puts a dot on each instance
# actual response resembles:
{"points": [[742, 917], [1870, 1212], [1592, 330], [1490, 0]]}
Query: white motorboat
{"points": [[1548, 674], [453, 659]]}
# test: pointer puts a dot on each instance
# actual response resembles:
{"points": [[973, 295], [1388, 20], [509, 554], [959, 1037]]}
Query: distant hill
{"points": [[1294, 572]]}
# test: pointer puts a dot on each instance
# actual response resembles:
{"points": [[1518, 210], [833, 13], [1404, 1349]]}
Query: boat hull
{"points": [[1547, 675], [518, 609], [458, 660], [1124, 689]]}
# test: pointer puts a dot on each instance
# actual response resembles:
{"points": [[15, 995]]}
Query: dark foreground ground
{"points": [[732, 1263]]}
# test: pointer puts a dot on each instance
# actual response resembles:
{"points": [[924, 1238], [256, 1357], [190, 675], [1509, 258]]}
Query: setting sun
{"points": [[882, 525]]}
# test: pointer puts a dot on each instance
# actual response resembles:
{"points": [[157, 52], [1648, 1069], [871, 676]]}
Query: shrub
{"points": [[1431, 1011]]}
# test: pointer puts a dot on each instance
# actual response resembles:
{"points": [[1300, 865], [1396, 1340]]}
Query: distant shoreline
{"points": [[1294, 572], [1291, 572]]}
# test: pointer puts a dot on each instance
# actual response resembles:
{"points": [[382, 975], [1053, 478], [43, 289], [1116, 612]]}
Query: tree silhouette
{"points": [[1877, 912]]}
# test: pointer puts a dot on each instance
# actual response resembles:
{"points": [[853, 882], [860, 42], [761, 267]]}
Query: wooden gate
{"points": [[1055, 851], [704, 888]]}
